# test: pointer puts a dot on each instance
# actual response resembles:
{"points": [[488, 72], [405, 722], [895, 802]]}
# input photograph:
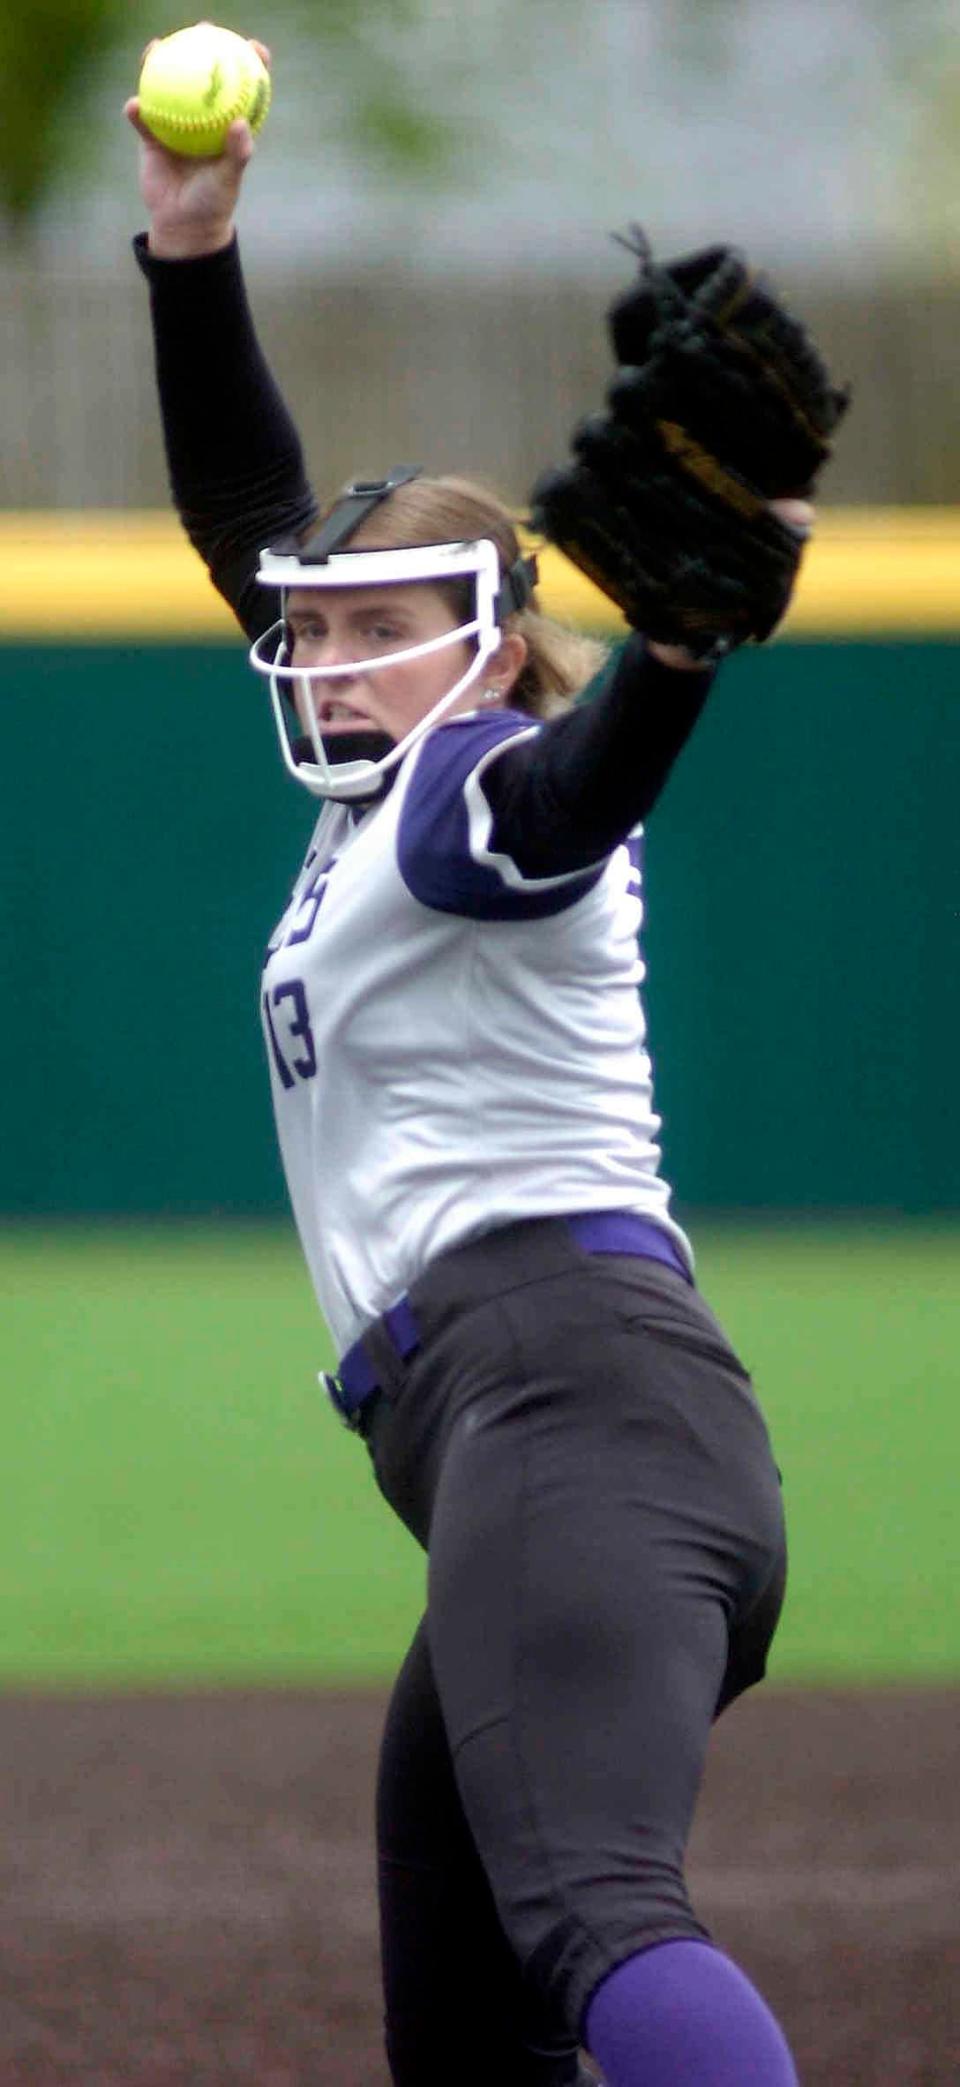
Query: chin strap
{"points": [[344, 746]]}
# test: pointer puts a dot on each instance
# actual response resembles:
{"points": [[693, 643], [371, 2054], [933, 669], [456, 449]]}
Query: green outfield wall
{"points": [[803, 878]]}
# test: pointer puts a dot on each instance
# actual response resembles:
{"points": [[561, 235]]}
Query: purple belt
{"points": [[594, 1231]]}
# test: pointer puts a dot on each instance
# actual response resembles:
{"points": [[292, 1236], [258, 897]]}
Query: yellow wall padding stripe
{"points": [[118, 574]]}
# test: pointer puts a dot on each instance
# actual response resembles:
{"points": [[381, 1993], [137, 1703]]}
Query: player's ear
{"points": [[508, 661]]}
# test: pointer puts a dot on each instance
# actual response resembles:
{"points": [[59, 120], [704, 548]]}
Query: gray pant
{"points": [[580, 1452]]}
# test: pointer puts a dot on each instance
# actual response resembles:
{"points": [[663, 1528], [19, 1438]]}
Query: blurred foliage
{"points": [[903, 40], [410, 87], [47, 50], [385, 116], [55, 50], [398, 135]]}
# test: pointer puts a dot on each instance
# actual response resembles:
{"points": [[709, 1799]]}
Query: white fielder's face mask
{"points": [[297, 691]]}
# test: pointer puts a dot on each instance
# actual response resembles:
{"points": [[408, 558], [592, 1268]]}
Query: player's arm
{"points": [[504, 822], [565, 796], [233, 454], [234, 457]]}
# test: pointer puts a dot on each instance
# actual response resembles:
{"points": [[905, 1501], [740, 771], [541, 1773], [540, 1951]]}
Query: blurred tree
{"points": [[386, 117], [52, 52], [47, 49], [414, 90]]}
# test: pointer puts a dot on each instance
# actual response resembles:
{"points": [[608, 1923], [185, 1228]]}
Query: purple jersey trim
{"points": [[439, 858]]}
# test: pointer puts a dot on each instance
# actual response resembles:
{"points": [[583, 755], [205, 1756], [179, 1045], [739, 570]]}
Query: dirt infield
{"points": [[186, 1886]]}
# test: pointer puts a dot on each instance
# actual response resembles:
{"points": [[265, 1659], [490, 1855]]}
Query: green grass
{"points": [[853, 1338], [181, 1506]]}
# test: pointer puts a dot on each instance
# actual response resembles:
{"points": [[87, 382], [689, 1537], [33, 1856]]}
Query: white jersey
{"points": [[452, 1045]]}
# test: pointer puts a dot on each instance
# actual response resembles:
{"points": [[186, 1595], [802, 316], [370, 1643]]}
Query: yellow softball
{"points": [[194, 84]]}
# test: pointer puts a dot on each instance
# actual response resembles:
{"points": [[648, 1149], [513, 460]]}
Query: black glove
{"points": [[720, 405]]}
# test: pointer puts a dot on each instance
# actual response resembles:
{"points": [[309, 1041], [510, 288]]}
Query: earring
{"points": [[490, 695]]}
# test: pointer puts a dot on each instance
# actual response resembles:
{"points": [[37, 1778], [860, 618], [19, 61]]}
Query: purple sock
{"points": [[681, 2015]]}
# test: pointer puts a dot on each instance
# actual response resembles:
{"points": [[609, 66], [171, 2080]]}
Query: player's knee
{"points": [[579, 1952]]}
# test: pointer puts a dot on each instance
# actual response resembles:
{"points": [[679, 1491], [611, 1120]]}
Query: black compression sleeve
{"points": [[565, 797], [233, 454]]}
